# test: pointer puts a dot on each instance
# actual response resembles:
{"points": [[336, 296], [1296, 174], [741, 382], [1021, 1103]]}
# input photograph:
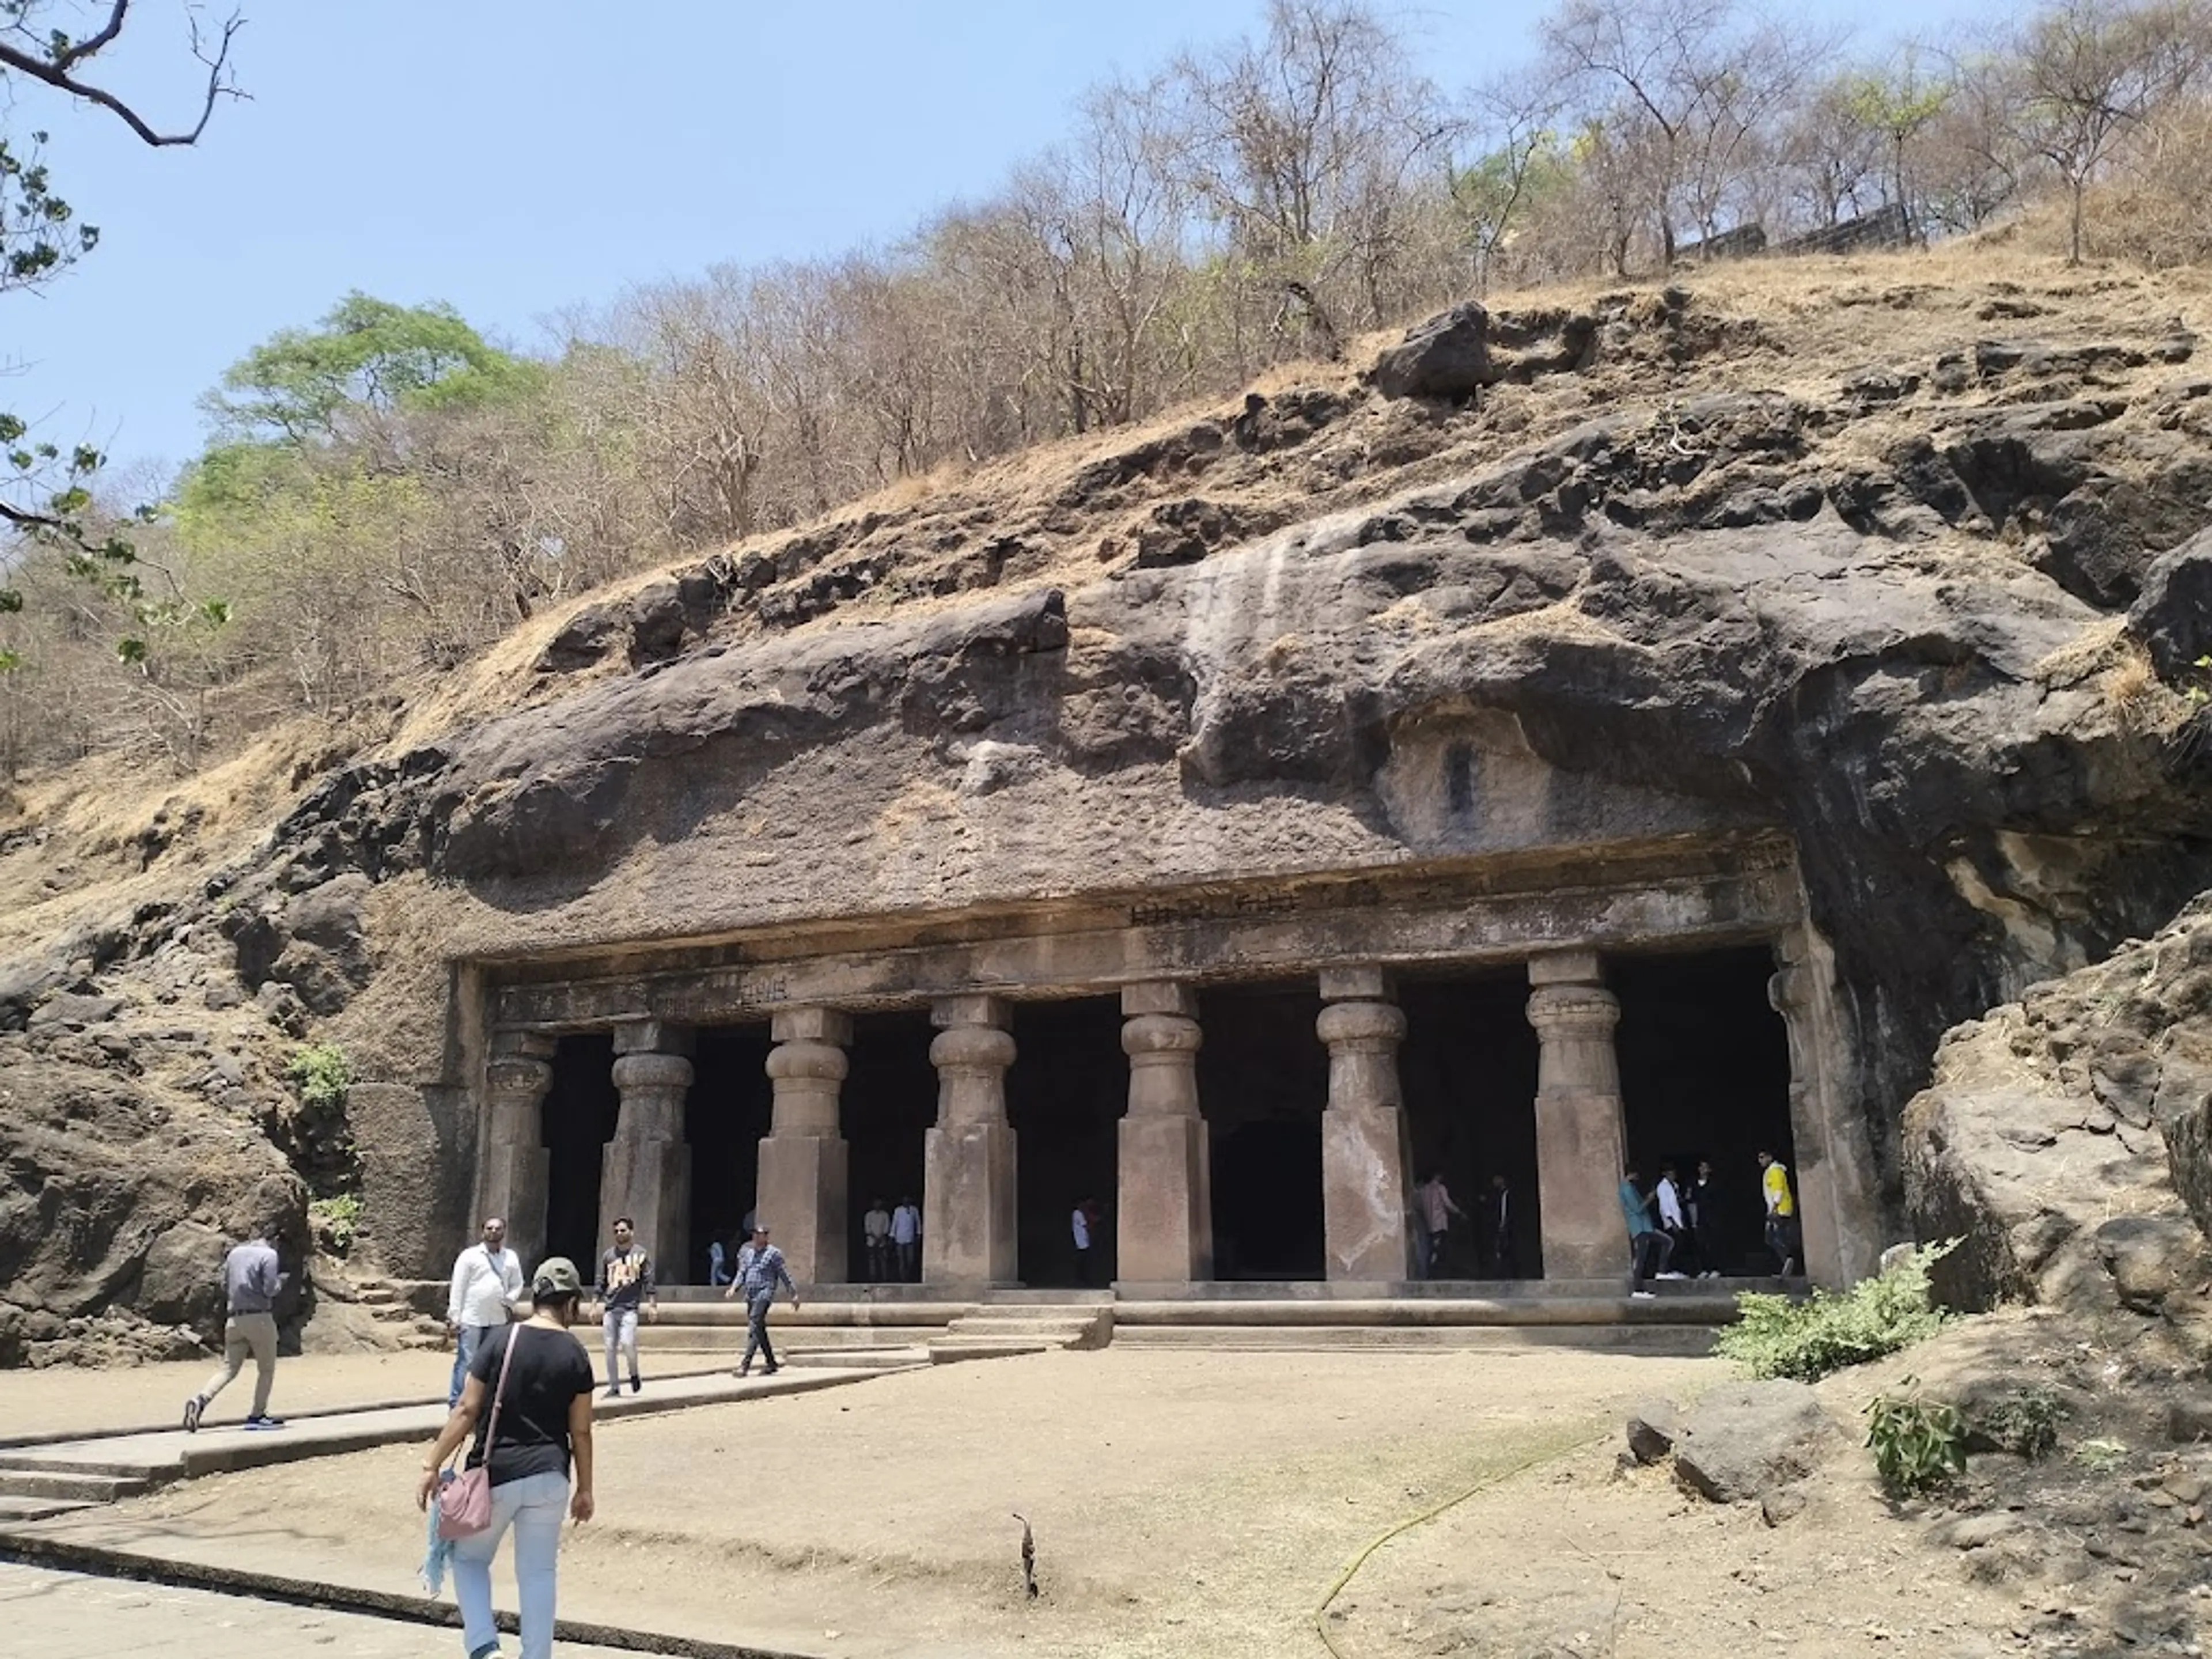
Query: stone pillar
{"points": [[968, 1216], [647, 1172], [1163, 1184], [1837, 1210], [801, 1186], [1366, 1150], [1581, 1144], [513, 1164]]}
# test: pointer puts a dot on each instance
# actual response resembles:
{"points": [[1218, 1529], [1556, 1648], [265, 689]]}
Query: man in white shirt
{"points": [[1670, 1214], [487, 1291], [876, 1231], [1078, 1223], [906, 1238]]}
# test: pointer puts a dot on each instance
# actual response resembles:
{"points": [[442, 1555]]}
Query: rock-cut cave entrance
{"points": [[1704, 1074], [1263, 1085], [1064, 1095], [887, 1104], [1467, 1070], [725, 1116]]}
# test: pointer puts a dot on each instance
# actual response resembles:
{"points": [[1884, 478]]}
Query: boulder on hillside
{"points": [[2174, 617], [1743, 1441], [1653, 1428], [1446, 356]]}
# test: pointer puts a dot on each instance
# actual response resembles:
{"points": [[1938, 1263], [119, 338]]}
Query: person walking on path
{"points": [[876, 1232], [761, 1268], [906, 1236], [1781, 1211], [250, 1284], [542, 1434], [625, 1289], [1648, 1247], [1433, 1204], [486, 1293]]}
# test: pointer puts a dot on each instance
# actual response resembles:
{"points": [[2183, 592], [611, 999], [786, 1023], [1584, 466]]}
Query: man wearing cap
{"points": [[761, 1268]]}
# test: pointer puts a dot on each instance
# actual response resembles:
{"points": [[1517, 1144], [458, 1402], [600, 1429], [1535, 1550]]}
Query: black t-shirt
{"points": [[550, 1368]]}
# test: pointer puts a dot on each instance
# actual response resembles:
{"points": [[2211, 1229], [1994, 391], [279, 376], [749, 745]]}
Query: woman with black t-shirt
{"points": [[544, 1427]]}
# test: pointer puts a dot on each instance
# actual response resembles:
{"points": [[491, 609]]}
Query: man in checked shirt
{"points": [[761, 1268]]}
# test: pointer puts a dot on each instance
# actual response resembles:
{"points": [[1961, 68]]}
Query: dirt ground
{"points": [[1184, 1504]]}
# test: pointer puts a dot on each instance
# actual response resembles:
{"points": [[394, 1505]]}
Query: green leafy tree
{"points": [[46, 497], [1898, 101]]}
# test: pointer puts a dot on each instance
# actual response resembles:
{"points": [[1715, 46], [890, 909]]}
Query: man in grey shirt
{"points": [[251, 1283]]}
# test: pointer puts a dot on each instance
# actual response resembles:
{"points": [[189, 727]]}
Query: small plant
{"points": [[1918, 1444], [2024, 1422], [1777, 1336], [335, 1221], [322, 1074], [2199, 690], [2102, 1457]]}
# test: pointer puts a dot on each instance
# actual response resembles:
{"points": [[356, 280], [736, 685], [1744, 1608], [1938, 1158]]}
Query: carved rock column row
{"points": [[647, 1175], [1581, 1144], [802, 1189], [969, 1218], [1163, 1183], [1366, 1148], [513, 1166]]}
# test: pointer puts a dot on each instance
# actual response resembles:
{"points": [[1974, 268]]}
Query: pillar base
{"points": [[969, 1218], [1579, 1154], [514, 1187], [1165, 1191], [800, 1193], [650, 1181], [1365, 1192]]}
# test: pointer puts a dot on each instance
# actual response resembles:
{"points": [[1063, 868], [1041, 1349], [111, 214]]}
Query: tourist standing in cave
{"points": [[1668, 1195], [625, 1289], [875, 1233], [1705, 1221], [1080, 1221], [1648, 1247], [1497, 1228], [486, 1289], [1781, 1211], [906, 1238], [1434, 1209], [761, 1268], [250, 1284]]}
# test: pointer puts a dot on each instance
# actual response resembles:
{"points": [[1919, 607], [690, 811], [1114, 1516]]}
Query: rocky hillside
{"points": [[1908, 555]]}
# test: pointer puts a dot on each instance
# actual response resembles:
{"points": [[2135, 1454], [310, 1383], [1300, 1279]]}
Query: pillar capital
{"points": [[1147, 1038], [830, 1025], [1358, 982], [1565, 968], [651, 1036], [977, 1008], [1375, 1026], [1564, 1012], [821, 1062], [972, 1049], [1159, 996], [637, 1073]]}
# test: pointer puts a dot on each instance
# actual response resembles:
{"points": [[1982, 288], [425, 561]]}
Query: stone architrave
{"points": [[968, 1214], [1162, 1185], [647, 1172], [1581, 1144], [1832, 1174], [1366, 1150], [802, 1189], [513, 1167]]}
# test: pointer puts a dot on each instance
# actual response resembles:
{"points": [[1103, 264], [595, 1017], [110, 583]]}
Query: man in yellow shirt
{"points": [[1781, 1211]]}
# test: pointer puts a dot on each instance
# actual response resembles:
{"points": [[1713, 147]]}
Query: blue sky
{"points": [[516, 157]]}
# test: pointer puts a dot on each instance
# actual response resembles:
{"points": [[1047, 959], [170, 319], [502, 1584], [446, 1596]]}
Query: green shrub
{"points": [[322, 1074], [1776, 1336], [335, 1221], [2024, 1421], [1918, 1444]]}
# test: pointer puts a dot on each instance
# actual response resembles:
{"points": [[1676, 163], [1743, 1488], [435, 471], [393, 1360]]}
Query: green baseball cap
{"points": [[555, 1276]]}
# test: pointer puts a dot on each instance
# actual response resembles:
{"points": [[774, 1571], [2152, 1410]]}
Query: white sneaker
{"points": [[1643, 1295]]}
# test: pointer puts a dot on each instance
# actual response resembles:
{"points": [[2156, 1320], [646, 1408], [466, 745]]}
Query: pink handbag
{"points": [[465, 1501]]}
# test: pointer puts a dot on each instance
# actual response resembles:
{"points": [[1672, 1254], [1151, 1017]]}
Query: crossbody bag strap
{"points": [[498, 1388]]}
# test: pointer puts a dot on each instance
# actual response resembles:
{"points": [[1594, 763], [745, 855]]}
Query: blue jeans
{"points": [[619, 1326], [535, 1507], [756, 1307], [466, 1347]]}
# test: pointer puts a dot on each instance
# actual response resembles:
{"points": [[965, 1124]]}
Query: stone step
{"points": [[1668, 1341], [1089, 1329], [39, 1509], [947, 1350], [375, 1296], [70, 1485], [857, 1358], [663, 1339]]}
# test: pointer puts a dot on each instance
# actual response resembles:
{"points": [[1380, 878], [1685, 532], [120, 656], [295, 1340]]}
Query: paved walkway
{"points": [[67, 1615]]}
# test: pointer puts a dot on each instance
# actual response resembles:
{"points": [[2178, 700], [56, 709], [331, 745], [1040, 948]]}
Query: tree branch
{"points": [[58, 70]]}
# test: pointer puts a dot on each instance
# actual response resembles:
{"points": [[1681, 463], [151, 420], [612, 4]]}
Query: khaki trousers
{"points": [[245, 1334]]}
